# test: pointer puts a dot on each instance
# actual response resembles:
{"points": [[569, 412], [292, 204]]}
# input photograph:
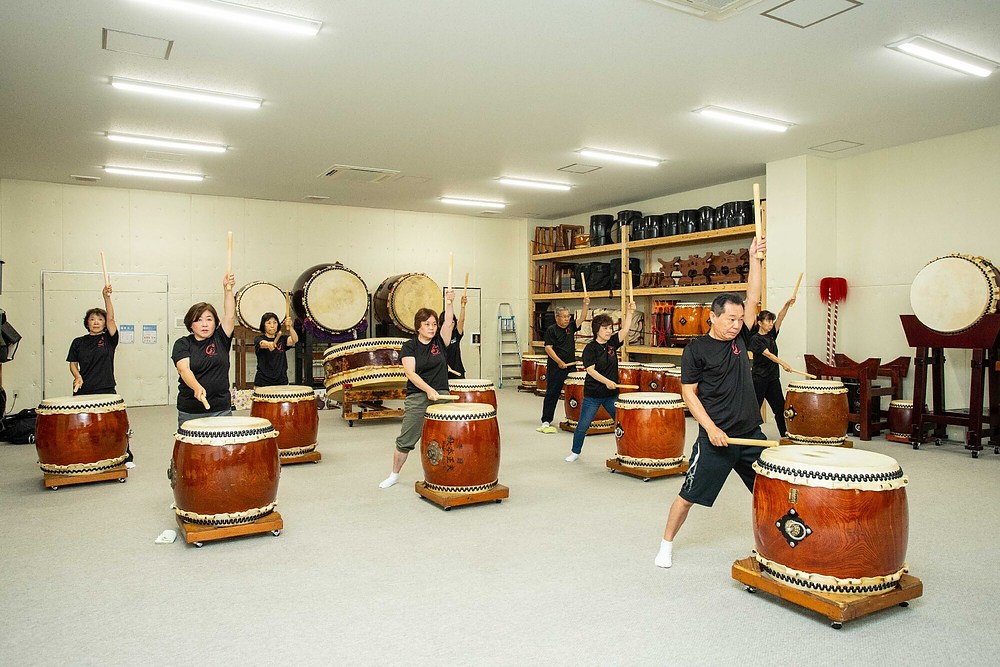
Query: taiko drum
{"points": [[673, 381], [474, 391], [629, 372], [830, 519], [706, 317], [369, 363], [76, 435], [224, 470], [649, 429], [573, 399], [292, 410], [460, 447], [816, 412], [901, 415], [541, 376], [653, 377], [687, 319], [529, 369]]}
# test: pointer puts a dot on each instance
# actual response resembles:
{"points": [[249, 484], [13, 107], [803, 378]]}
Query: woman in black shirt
{"points": [[272, 363], [766, 373], [92, 357]]}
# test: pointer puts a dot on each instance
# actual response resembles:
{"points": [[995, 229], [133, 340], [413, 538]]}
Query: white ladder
{"points": [[508, 347]]}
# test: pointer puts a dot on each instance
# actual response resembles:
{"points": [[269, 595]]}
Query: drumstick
{"points": [[448, 397], [628, 386], [288, 308], [204, 401], [451, 268], [465, 291], [752, 443], [583, 277], [104, 267], [796, 290], [453, 371], [808, 375], [229, 254], [756, 215], [631, 293]]}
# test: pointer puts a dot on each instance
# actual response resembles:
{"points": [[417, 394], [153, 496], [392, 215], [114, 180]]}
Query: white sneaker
{"points": [[572, 457], [129, 465], [541, 429]]}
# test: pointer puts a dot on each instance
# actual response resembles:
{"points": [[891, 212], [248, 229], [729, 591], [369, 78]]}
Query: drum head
{"points": [[576, 377], [411, 293], [283, 392], [460, 412], [471, 384], [85, 403], [831, 467], [336, 299], [638, 400], [224, 430], [256, 298], [952, 293], [818, 386]]}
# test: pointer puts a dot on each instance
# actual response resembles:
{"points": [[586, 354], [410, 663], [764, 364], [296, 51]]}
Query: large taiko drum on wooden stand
{"points": [[474, 391], [292, 410], [80, 435], [952, 293], [369, 363], [399, 297], [332, 301], [816, 412], [256, 298], [830, 520], [573, 399], [653, 377], [224, 470], [529, 369], [687, 320], [460, 447], [629, 372], [649, 430]]}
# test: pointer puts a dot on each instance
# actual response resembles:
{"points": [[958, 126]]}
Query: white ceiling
{"points": [[461, 92]]}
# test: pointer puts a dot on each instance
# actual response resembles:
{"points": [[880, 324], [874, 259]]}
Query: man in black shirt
{"points": [[560, 348], [718, 390]]}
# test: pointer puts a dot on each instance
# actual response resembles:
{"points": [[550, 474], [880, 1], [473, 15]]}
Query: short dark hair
{"points": [[268, 316], [422, 316], [454, 318], [95, 311], [719, 302], [766, 315], [599, 321], [196, 311]]}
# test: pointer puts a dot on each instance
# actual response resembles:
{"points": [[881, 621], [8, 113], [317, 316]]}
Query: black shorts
{"points": [[711, 465]]}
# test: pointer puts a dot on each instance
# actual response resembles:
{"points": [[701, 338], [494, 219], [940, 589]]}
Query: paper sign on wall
{"points": [[126, 334], [149, 334]]}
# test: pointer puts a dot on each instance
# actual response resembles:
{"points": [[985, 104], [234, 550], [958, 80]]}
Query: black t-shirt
{"points": [[604, 358], [430, 363], [563, 342], [763, 367], [721, 369], [96, 357], [209, 361], [272, 365], [453, 354]]}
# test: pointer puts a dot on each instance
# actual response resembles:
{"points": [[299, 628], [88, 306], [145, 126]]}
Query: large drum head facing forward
{"points": [[953, 292], [256, 298], [332, 297], [398, 299]]}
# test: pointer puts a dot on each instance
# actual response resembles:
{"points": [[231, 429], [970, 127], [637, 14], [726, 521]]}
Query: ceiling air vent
{"points": [[347, 172], [710, 10]]}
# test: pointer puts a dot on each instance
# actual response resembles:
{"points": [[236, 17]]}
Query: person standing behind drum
{"points": [[717, 388], [560, 348], [600, 361], [426, 368], [454, 352], [766, 376], [92, 357], [202, 359], [272, 362]]}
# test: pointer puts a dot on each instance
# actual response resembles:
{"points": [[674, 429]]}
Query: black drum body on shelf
{"points": [[600, 229], [706, 219], [670, 223], [688, 221]]}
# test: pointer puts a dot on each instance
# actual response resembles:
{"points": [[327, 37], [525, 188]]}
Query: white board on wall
{"points": [[140, 302]]}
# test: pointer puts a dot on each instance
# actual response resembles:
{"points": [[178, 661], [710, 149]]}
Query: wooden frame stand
{"points": [[449, 500], [308, 457], [198, 534], [369, 404], [55, 481], [645, 474], [530, 388], [837, 607]]}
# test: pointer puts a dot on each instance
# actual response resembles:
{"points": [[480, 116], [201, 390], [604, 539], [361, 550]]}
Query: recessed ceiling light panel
{"points": [[189, 94], [945, 56], [624, 158], [540, 185], [743, 118], [177, 144], [149, 173], [244, 15], [462, 201]]}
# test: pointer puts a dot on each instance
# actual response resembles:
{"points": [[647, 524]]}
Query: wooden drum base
{"points": [[197, 534], [449, 500], [836, 607], [369, 404], [593, 430], [308, 457], [55, 481], [645, 474], [530, 388], [848, 444]]}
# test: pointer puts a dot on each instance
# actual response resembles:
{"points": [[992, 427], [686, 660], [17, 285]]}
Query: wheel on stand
{"points": [[122, 480], [499, 500], [975, 455], [350, 423], [53, 488], [198, 545], [447, 509], [904, 604], [916, 445], [836, 625], [276, 532], [612, 471], [751, 589]]}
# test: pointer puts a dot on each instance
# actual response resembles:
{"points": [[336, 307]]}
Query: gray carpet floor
{"points": [[560, 573]]}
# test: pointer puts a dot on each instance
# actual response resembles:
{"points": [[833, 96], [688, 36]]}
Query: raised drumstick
{"points": [[756, 215], [753, 443], [583, 277], [451, 268], [797, 282], [104, 267], [229, 254], [631, 293], [465, 291], [288, 308], [808, 375]]}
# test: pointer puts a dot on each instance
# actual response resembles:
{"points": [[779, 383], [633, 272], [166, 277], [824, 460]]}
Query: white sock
{"points": [[572, 457], [389, 481], [665, 556]]}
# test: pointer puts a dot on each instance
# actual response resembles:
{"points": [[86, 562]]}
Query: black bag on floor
{"points": [[634, 265], [19, 429]]}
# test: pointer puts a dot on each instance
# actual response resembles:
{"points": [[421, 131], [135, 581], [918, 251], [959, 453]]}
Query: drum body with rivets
{"points": [[399, 297], [472, 390], [952, 293], [629, 373], [649, 430], [653, 377], [529, 369], [292, 410], [830, 519], [816, 412], [687, 319], [77, 435], [460, 447], [369, 363], [256, 298]]}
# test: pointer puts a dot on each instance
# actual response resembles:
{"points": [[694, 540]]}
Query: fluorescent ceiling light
{"points": [[147, 173], [178, 144], [944, 55], [459, 201], [182, 93], [743, 118], [230, 11], [625, 158], [528, 183]]}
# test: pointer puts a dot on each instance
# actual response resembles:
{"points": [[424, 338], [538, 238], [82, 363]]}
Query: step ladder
{"points": [[508, 346]]}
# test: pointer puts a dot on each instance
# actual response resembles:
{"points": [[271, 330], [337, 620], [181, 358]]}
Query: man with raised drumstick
{"points": [[560, 348], [717, 388]]}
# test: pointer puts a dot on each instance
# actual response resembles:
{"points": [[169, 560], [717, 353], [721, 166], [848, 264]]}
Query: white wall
{"points": [[46, 226]]}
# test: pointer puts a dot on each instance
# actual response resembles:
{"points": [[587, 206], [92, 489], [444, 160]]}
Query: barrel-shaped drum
{"points": [[399, 297], [687, 319], [629, 373], [369, 363], [816, 412], [331, 299], [460, 447], [224, 470], [541, 376], [472, 390], [901, 415], [673, 381], [292, 410], [573, 399], [529, 369], [829, 519], [256, 298], [954, 292], [79, 435], [706, 317], [649, 430], [653, 377]]}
